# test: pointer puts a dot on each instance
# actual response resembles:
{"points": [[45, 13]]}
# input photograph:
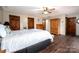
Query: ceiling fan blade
{"points": [[51, 9], [50, 12]]}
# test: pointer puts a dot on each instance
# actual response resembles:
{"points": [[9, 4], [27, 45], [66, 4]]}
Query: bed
{"points": [[29, 41]]}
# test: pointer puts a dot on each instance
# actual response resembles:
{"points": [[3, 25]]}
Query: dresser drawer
{"points": [[2, 51]]}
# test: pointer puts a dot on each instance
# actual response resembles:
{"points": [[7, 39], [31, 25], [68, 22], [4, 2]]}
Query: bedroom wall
{"points": [[77, 27], [62, 24], [1, 14], [62, 30], [4, 16], [23, 19], [48, 25], [38, 21]]}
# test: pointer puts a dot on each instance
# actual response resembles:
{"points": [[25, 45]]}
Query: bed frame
{"points": [[36, 47]]}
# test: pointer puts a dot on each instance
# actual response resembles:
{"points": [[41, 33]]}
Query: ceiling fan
{"points": [[46, 10]]}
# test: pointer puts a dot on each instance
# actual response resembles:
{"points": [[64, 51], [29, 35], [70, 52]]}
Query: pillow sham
{"points": [[8, 30], [2, 30]]}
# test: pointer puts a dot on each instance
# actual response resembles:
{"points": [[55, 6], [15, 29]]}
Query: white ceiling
{"points": [[35, 10]]}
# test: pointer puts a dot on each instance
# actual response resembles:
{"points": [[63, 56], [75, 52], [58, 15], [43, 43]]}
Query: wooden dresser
{"points": [[40, 26]]}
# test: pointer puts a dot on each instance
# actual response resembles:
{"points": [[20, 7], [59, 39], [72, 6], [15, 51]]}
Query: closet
{"points": [[54, 26]]}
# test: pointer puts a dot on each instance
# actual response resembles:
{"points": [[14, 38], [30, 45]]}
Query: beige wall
{"points": [[77, 27], [24, 23], [23, 19], [1, 16], [48, 25], [4, 16], [61, 25]]}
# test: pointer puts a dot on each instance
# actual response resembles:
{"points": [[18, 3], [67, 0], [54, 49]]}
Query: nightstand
{"points": [[2, 51]]}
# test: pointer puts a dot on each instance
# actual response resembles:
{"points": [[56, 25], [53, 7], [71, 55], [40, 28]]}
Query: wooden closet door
{"points": [[54, 26], [30, 23], [71, 26], [14, 22]]}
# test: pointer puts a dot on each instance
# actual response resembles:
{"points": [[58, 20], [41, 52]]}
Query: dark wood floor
{"points": [[63, 44]]}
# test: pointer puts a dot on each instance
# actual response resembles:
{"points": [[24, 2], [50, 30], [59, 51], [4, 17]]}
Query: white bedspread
{"points": [[17, 40]]}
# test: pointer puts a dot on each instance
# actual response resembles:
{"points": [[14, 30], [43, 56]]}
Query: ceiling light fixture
{"points": [[46, 10]]}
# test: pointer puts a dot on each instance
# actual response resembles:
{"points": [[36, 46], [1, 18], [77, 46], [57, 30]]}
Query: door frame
{"points": [[14, 16], [28, 22], [66, 25], [58, 25]]}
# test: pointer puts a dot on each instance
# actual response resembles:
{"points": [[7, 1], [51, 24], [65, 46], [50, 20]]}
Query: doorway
{"points": [[14, 22], [54, 26], [30, 23], [71, 26]]}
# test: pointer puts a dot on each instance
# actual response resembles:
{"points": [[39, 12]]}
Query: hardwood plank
{"points": [[63, 44]]}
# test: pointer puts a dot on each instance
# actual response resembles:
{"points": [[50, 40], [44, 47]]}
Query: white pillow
{"points": [[2, 30], [8, 30]]}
